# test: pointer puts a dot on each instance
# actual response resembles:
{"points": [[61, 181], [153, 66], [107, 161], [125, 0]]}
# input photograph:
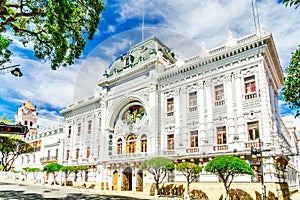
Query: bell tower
{"points": [[27, 115]]}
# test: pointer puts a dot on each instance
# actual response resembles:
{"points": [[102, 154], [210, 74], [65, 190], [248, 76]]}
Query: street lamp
{"points": [[16, 71], [258, 152]]}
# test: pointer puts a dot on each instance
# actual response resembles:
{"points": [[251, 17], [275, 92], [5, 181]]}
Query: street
{"points": [[21, 190]]}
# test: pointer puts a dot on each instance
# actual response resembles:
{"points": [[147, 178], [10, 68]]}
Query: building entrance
{"points": [[127, 179], [115, 180], [139, 187]]}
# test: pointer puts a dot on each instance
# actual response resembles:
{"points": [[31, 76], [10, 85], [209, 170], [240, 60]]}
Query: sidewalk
{"points": [[295, 196]]}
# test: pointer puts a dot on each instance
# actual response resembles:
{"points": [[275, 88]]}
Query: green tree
{"points": [[67, 170], [191, 172], [228, 167], [159, 168], [53, 168], [4, 120], [10, 149], [57, 28], [80, 169], [32, 170], [291, 83]]}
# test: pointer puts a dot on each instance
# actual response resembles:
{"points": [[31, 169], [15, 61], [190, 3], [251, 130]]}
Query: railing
{"points": [[221, 147], [192, 150], [129, 156], [251, 95], [220, 103], [193, 109], [252, 144], [169, 114], [168, 152], [48, 159]]}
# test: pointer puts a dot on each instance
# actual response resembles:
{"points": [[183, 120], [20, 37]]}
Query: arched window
{"points": [[131, 144], [144, 143], [119, 146]]}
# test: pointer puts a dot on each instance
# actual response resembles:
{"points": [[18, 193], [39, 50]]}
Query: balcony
{"points": [[193, 109], [252, 95], [48, 159], [168, 152], [220, 103], [252, 143], [169, 114], [192, 150], [221, 147], [128, 156]]}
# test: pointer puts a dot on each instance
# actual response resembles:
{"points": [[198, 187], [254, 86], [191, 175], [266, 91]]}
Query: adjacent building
{"points": [[223, 101]]}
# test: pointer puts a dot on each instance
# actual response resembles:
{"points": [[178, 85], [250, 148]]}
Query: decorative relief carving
{"points": [[193, 124], [191, 88], [249, 71], [237, 74], [169, 94], [219, 120], [170, 120], [218, 80]]}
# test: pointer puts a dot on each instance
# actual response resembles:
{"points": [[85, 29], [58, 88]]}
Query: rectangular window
{"points": [[250, 85], [70, 131], [170, 142], [78, 129], [253, 130], [219, 92], [170, 105], [221, 135], [68, 154], [193, 99], [194, 139], [77, 154], [89, 126], [88, 152]]}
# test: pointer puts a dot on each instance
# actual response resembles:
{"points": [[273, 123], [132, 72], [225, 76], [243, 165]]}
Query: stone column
{"points": [[209, 112], [239, 106], [229, 103]]}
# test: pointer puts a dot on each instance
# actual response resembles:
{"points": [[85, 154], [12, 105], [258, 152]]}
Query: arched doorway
{"points": [[139, 187], [115, 180], [127, 179]]}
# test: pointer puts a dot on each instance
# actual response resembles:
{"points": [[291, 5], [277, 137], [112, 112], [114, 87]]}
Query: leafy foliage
{"points": [[57, 28], [53, 168], [227, 167], [292, 3], [68, 170], [291, 84], [10, 149], [191, 172], [3, 118], [158, 167]]}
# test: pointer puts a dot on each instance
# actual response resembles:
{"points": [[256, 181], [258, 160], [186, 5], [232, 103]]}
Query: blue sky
{"points": [[200, 23]]}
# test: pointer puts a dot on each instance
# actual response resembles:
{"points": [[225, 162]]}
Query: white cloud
{"points": [[199, 21]]}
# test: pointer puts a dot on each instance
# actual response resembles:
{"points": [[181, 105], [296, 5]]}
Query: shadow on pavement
{"points": [[28, 196]]}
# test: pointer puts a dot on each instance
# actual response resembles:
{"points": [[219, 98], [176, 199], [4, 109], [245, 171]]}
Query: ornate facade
{"points": [[223, 102]]}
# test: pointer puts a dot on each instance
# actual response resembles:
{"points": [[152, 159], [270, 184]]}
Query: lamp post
{"points": [[16, 71], [258, 152]]}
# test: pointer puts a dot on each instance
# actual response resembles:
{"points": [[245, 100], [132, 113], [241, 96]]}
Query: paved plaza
{"points": [[20, 190]]}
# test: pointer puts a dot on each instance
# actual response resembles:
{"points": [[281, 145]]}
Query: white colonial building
{"points": [[223, 102], [48, 145]]}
